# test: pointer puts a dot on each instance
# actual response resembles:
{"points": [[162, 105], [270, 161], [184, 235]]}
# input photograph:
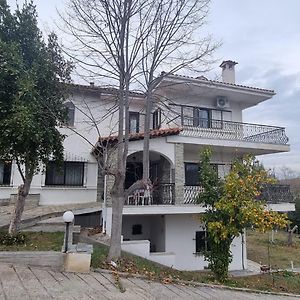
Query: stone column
{"points": [[100, 185], [110, 179], [179, 174]]}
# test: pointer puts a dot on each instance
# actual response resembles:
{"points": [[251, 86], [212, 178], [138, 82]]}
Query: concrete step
{"points": [[50, 259]]}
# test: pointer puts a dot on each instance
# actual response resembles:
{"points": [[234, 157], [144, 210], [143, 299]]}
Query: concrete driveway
{"points": [[21, 282]]}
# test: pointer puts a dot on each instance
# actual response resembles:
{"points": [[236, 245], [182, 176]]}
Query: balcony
{"points": [[277, 193], [162, 194], [228, 130], [271, 194]]}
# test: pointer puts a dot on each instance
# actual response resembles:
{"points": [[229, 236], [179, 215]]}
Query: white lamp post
{"points": [[68, 218]]}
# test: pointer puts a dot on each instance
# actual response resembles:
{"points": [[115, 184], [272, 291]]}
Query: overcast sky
{"points": [[264, 38]]}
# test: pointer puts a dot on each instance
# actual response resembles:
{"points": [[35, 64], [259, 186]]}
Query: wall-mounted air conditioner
{"points": [[222, 102]]}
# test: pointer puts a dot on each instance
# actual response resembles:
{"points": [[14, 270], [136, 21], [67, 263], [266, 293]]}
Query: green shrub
{"points": [[15, 239]]}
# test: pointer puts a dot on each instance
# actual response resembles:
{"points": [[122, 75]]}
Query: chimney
{"points": [[228, 72]]}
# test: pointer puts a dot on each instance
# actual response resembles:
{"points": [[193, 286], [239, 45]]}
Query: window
{"points": [[70, 174], [136, 229], [201, 242], [157, 119], [70, 107], [201, 118], [134, 122], [5, 172], [204, 117], [191, 173]]}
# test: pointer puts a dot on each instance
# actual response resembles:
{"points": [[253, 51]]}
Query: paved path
{"points": [[20, 282], [33, 215]]}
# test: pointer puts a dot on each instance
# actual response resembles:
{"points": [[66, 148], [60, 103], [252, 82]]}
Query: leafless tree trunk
{"points": [[126, 41], [176, 43]]}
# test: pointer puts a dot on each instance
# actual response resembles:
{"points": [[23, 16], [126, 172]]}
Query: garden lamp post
{"points": [[68, 218]]}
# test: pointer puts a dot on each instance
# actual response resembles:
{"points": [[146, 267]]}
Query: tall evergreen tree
{"points": [[33, 74]]}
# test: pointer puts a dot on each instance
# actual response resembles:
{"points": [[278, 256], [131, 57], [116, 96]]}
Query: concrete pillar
{"points": [[179, 174]]}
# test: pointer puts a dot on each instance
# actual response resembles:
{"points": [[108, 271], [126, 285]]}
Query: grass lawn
{"points": [[38, 241], [286, 282], [136, 265], [280, 254], [279, 282]]}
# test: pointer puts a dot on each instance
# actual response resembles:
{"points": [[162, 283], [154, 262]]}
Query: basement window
{"points": [[136, 229], [201, 242]]}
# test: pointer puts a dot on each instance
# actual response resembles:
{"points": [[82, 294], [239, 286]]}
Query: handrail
{"points": [[231, 130]]}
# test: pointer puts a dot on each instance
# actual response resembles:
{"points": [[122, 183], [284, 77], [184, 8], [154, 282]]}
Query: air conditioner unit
{"points": [[222, 102]]}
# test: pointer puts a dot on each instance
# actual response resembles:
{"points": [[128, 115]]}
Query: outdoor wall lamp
{"points": [[68, 218]]}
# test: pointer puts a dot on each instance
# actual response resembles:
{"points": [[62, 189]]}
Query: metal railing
{"points": [[162, 194], [276, 193], [190, 194], [228, 130], [271, 193]]}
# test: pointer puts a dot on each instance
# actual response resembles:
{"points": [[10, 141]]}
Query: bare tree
{"points": [[124, 43], [287, 173], [174, 43]]}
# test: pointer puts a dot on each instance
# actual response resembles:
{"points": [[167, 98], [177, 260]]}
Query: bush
{"points": [[15, 239]]}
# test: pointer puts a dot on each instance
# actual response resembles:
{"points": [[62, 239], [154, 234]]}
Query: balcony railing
{"points": [[163, 194], [276, 193], [271, 193], [228, 130], [190, 194]]}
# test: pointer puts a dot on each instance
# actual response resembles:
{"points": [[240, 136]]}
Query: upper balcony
{"points": [[235, 131]]}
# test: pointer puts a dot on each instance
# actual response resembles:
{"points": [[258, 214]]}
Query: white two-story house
{"points": [[189, 114]]}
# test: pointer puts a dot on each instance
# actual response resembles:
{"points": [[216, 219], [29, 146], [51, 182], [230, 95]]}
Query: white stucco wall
{"points": [[153, 230], [140, 247], [179, 231], [158, 145], [75, 149], [180, 235]]}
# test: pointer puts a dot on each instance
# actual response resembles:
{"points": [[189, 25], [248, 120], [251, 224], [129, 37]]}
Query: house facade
{"points": [[189, 114]]}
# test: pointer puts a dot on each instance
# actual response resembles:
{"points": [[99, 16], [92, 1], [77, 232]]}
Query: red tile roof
{"points": [[139, 136]]}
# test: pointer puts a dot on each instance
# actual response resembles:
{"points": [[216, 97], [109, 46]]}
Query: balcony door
{"points": [[201, 118]]}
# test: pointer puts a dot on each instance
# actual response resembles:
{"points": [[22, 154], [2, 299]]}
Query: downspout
{"points": [[243, 242], [104, 218]]}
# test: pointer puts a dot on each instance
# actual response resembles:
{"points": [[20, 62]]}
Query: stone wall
{"points": [[179, 174], [110, 179], [100, 185]]}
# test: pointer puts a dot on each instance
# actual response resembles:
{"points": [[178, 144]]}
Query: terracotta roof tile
{"points": [[139, 136]]}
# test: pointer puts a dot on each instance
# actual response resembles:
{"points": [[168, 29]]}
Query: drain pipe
{"points": [[243, 242], [104, 218]]}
